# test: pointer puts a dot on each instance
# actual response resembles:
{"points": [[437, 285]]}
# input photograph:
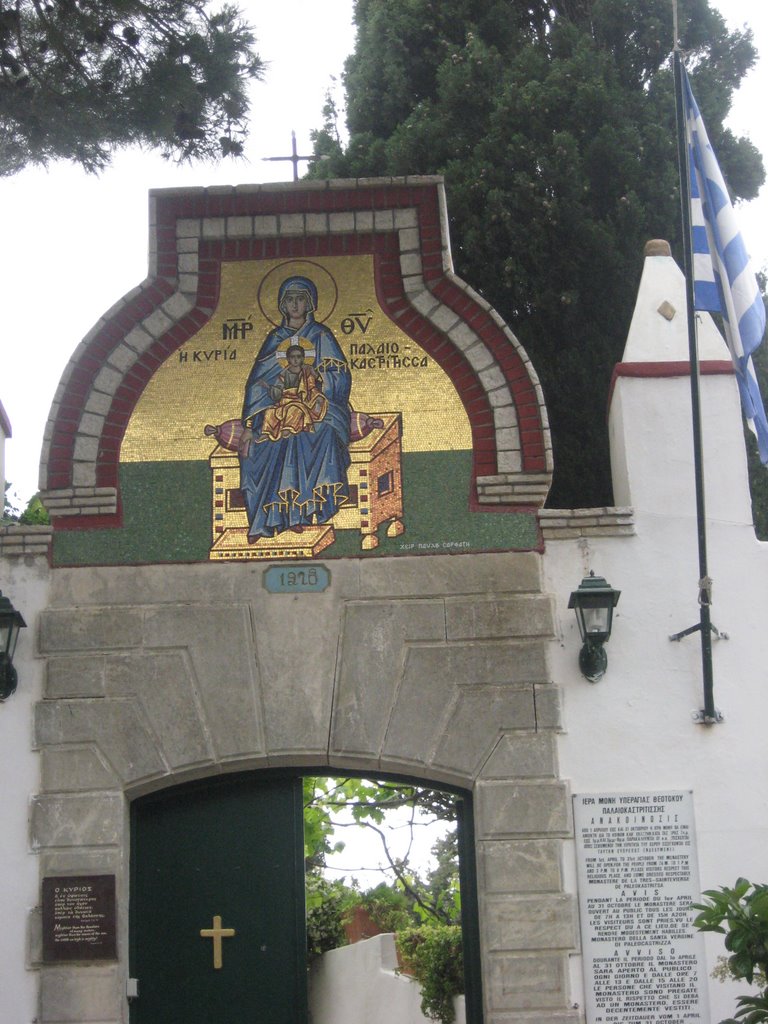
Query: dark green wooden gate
{"points": [[220, 856]]}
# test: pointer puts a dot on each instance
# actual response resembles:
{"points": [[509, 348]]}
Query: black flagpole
{"points": [[708, 715]]}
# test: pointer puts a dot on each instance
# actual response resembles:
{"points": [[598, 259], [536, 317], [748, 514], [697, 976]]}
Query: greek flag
{"points": [[724, 281]]}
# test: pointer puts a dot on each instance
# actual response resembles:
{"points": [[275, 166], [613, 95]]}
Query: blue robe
{"points": [[289, 482]]}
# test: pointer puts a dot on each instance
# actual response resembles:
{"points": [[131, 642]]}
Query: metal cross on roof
{"points": [[294, 157]]}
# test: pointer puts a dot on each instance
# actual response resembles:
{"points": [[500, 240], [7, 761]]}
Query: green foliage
{"points": [[10, 511], [318, 825], [443, 881], [371, 800], [758, 478], [758, 474], [388, 907], [35, 514], [331, 804], [740, 914], [554, 125], [330, 905], [80, 79], [327, 903], [722, 972], [434, 956]]}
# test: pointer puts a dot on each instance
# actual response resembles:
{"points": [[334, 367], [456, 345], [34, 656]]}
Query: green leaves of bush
{"points": [[434, 956], [740, 913]]}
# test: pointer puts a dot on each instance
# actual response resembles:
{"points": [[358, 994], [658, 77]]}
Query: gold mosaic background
{"points": [[189, 391]]}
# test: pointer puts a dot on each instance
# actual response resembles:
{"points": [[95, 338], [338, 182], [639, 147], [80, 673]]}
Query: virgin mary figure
{"points": [[295, 476]]}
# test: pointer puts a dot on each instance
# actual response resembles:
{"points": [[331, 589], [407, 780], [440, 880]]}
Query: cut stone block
{"points": [[523, 756], [117, 726], [163, 683], [477, 717], [219, 642], [78, 995], [87, 629], [490, 617], [527, 982], [69, 769], [77, 820], [504, 809], [530, 922], [371, 665], [520, 865], [75, 677]]}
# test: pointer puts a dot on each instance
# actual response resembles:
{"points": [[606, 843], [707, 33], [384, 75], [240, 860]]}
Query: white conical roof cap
{"points": [[659, 329]]}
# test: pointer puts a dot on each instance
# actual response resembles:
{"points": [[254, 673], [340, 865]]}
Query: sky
{"points": [[363, 859], [73, 244]]}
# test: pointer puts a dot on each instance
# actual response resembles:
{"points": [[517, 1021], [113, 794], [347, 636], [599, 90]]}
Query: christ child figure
{"points": [[298, 397]]}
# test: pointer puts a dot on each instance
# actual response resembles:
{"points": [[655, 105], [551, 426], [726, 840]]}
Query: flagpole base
{"points": [[702, 718]]}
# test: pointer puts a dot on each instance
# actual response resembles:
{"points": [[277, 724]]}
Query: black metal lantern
{"points": [[593, 603], [11, 622]]}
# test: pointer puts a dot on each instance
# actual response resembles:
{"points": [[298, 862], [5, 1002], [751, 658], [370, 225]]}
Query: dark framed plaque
{"points": [[79, 918]]}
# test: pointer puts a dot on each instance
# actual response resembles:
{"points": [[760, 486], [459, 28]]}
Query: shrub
{"points": [[741, 914], [388, 908], [327, 903], [434, 956]]}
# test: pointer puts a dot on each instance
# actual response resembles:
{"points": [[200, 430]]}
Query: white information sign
{"points": [[638, 875]]}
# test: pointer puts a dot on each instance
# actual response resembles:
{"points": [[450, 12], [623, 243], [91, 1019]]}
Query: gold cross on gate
{"points": [[217, 933]]}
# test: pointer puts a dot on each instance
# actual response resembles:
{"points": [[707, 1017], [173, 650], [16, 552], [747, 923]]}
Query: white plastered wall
{"points": [[26, 583], [634, 730]]}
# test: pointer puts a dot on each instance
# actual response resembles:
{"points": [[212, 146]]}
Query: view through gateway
{"points": [[382, 856]]}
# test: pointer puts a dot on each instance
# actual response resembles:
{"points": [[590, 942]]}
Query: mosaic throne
{"points": [[375, 497]]}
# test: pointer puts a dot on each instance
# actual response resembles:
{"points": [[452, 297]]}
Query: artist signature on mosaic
{"points": [[436, 546]]}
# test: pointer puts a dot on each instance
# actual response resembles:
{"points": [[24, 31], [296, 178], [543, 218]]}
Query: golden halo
{"points": [[282, 349], [327, 290]]}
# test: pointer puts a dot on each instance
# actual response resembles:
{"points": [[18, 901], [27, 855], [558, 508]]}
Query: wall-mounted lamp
{"points": [[593, 603], [11, 622]]}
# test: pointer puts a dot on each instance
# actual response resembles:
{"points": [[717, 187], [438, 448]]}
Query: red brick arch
{"points": [[402, 223]]}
